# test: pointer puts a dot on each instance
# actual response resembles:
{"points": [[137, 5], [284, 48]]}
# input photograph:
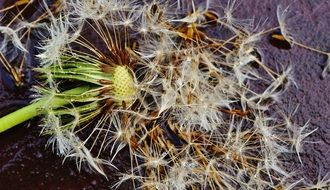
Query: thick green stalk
{"points": [[35, 109]]}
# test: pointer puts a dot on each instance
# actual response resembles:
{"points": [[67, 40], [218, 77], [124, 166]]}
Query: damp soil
{"points": [[26, 163]]}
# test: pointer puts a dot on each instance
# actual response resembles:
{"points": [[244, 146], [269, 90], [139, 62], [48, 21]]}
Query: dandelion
{"points": [[154, 81]]}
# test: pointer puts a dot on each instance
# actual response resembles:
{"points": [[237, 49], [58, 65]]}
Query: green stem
{"points": [[35, 109]]}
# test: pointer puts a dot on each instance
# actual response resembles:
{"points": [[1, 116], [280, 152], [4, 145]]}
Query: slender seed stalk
{"points": [[35, 109]]}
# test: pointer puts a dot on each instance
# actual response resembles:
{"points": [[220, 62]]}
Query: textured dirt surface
{"points": [[309, 22], [25, 163]]}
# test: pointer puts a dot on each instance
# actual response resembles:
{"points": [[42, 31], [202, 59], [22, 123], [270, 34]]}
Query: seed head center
{"points": [[123, 83]]}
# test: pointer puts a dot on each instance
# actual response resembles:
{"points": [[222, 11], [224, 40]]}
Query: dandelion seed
{"points": [[298, 137], [282, 17], [326, 69], [56, 44], [321, 183], [59, 139], [11, 35]]}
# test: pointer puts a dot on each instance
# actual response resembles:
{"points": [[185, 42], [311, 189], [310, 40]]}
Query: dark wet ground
{"points": [[25, 163]]}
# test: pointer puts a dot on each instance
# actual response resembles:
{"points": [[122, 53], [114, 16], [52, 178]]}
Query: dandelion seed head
{"points": [[123, 83], [179, 99]]}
